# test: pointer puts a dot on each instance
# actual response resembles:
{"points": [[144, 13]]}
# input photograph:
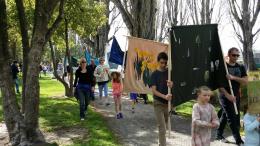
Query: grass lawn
{"points": [[58, 113]]}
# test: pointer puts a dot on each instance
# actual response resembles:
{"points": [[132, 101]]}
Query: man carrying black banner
{"points": [[237, 75]]}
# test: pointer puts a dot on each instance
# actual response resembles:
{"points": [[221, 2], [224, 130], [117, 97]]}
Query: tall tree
{"points": [[171, 13], [100, 39], [23, 128], [202, 11], [81, 18], [139, 16], [245, 15]]}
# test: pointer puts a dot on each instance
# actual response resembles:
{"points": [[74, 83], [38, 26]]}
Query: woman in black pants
{"points": [[84, 82]]}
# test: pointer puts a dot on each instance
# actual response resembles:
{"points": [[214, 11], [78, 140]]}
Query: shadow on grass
{"points": [[56, 113]]}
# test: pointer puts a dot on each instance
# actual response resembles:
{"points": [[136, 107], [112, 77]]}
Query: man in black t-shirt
{"points": [[160, 84], [237, 75]]}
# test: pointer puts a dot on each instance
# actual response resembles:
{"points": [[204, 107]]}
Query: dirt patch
{"points": [[62, 137]]}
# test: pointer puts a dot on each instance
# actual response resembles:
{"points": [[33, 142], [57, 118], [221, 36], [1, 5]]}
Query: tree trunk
{"points": [[55, 73], [246, 23], [25, 43], [101, 39], [140, 20], [23, 130], [144, 19], [248, 55], [13, 117], [68, 91]]}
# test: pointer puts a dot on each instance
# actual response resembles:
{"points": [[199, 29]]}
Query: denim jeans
{"points": [[101, 87], [84, 99]]}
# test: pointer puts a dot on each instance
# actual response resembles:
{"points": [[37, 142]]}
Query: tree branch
{"points": [[234, 13], [256, 13], [256, 32], [113, 18], [237, 33], [57, 21], [23, 25], [125, 14]]}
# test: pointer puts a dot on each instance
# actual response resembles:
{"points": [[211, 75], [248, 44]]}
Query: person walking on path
{"points": [[237, 75], [92, 68], [117, 93], [15, 71], [84, 86], [133, 97], [204, 118], [160, 84], [102, 78]]}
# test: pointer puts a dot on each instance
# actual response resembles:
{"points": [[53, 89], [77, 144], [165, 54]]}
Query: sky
{"points": [[226, 32]]}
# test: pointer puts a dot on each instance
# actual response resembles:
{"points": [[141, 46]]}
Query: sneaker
{"points": [[133, 110], [117, 116], [121, 115], [240, 143], [82, 119], [222, 139]]}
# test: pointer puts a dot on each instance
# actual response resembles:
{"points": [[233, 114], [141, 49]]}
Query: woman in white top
{"points": [[102, 78]]}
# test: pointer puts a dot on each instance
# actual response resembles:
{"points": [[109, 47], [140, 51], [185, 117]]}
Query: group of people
{"points": [[87, 76], [204, 116]]}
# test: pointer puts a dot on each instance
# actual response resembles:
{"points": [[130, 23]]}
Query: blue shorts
{"points": [[133, 96]]}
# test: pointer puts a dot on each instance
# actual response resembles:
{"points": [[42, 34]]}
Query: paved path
{"points": [[139, 129]]}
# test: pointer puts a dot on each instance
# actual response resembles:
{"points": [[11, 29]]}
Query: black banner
{"points": [[196, 60]]}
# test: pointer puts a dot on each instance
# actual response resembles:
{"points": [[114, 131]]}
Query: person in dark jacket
{"points": [[83, 83], [92, 67], [15, 71]]}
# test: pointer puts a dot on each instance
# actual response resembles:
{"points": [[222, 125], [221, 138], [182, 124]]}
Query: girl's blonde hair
{"points": [[202, 88]]}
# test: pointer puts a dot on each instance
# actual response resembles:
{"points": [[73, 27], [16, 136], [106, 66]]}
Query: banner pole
{"points": [[123, 65], [169, 79], [229, 82]]}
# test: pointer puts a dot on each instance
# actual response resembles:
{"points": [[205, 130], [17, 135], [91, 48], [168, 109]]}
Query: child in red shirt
{"points": [[117, 92]]}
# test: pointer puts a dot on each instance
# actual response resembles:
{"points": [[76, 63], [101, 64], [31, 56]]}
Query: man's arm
{"points": [[226, 94], [157, 93], [242, 80]]}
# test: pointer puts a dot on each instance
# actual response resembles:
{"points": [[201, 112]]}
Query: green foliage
{"points": [[84, 17], [15, 37]]}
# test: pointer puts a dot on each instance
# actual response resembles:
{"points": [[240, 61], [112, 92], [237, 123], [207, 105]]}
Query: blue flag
{"points": [[87, 56], [116, 54]]}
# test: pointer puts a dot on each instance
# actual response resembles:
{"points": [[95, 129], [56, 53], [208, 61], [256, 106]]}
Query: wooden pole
{"points": [[229, 82], [169, 89]]}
